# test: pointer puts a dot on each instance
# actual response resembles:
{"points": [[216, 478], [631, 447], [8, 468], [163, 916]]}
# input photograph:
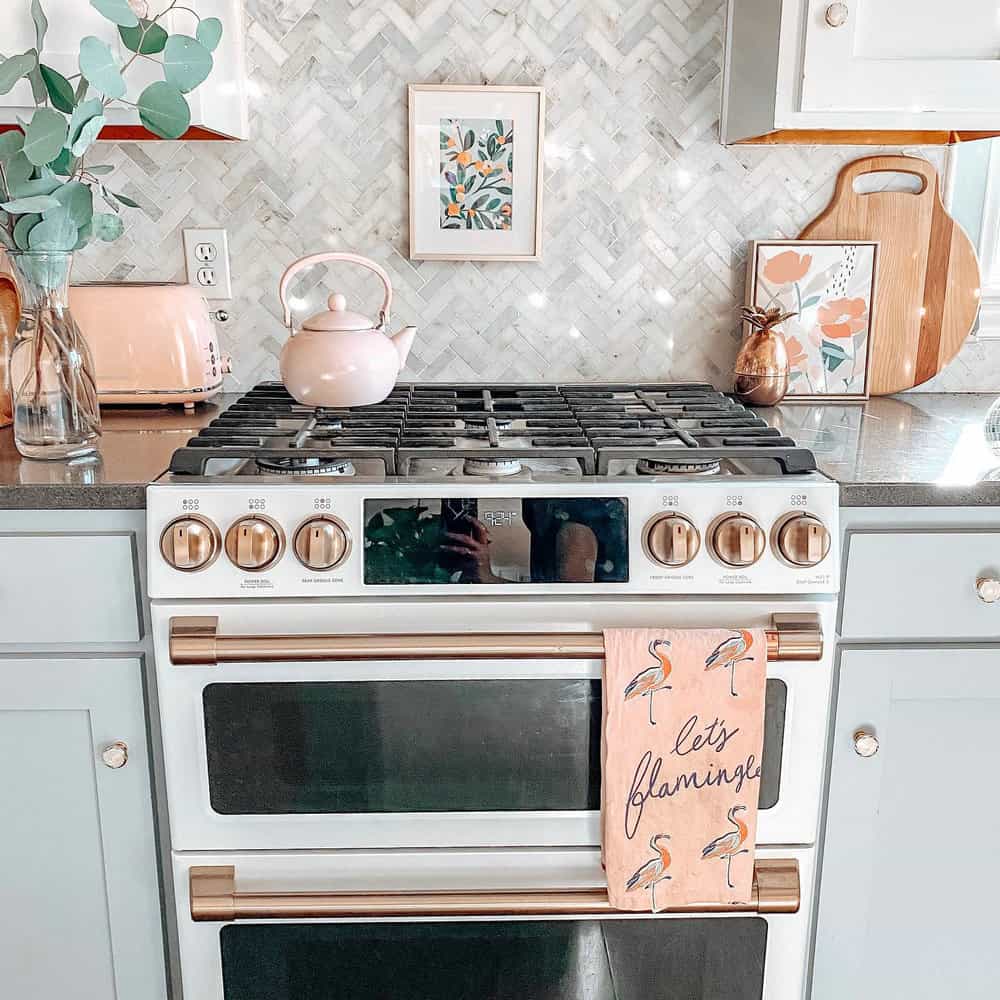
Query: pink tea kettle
{"points": [[341, 358]]}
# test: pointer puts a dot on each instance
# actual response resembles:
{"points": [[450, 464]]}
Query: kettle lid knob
{"points": [[337, 302]]}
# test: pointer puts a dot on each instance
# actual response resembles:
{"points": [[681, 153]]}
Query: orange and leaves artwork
{"points": [[477, 173], [830, 288]]}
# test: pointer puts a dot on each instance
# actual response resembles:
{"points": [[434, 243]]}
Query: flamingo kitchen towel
{"points": [[681, 751]]}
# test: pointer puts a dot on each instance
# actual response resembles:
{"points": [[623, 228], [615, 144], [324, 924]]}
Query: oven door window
{"points": [[419, 746], [679, 959]]}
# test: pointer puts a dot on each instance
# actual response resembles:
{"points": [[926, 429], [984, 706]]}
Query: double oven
{"points": [[388, 791]]}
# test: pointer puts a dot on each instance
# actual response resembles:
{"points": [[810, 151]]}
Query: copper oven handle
{"points": [[214, 896], [196, 641]]}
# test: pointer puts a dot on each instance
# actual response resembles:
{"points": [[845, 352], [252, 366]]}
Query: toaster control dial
{"points": [[802, 539], [321, 543], [737, 540], [190, 543], [672, 540], [254, 543]]}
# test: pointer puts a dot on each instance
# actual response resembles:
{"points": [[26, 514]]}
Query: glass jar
{"points": [[54, 390]]}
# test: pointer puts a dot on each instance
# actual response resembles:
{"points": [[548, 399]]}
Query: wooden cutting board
{"points": [[927, 288], [10, 314]]}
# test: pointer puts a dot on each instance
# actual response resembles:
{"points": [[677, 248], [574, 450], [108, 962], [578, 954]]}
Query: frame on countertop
{"points": [[751, 290], [415, 90]]}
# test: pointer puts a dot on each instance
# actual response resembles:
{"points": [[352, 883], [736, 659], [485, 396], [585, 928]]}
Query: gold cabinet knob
{"points": [[671, 540], [803, 540], [737, 540], [837, 14], [865, 743], [115, 755], [321, 543], [254, 543], [988, 589], [190, 543]]}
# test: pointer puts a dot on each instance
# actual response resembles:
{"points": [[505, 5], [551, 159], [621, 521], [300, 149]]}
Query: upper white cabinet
{"points": [[860, 65], [218, 106]]}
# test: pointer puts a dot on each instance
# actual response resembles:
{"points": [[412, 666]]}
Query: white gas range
{"points": [[379, 652]]}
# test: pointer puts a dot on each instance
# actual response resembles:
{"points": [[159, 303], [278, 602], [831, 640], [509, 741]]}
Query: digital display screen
{"points": [[507, 540]]}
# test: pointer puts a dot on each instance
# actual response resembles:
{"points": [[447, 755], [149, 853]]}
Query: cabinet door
{"points": [[901, 55], [910, 882], [80, 918]]}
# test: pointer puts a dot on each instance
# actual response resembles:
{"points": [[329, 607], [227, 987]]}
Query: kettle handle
{"points": [[347, 258]]}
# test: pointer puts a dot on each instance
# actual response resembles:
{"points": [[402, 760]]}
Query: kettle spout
{"points": [[403, 341]]}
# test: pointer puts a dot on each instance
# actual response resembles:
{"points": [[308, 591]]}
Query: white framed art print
{"points": [[476, 172]]}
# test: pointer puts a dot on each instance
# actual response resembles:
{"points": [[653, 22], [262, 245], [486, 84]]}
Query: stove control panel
{"points": [[656, 536]]}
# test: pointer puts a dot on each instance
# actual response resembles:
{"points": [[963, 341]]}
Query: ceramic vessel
{"points": [[338, 357]]}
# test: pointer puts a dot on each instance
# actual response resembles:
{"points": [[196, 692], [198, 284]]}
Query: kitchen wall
{"points": [[646, 215]]}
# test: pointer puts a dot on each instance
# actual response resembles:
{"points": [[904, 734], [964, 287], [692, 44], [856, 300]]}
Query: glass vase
{"points": [[56, 415]]}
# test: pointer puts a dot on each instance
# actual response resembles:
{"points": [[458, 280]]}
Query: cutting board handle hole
{"points": [[889, 180]]}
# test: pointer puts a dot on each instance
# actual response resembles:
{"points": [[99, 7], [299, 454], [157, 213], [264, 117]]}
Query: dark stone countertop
{"points": [[914, 450], [917, 450], [135, 449]]}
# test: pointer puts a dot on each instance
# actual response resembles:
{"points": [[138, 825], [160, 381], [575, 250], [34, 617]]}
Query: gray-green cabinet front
{"points": [[910, 879], [79, 897]]}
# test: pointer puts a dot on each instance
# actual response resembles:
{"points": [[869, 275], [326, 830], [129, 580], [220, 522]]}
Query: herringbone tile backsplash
{"points": [[646, 215]]}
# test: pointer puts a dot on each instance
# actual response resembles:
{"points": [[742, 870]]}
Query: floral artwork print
{"points": [[830, 288], [477, 173]]}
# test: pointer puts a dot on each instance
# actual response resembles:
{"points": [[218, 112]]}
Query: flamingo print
{"points": [[729, 845], [652, 679], [728, 653], [654, 870]]}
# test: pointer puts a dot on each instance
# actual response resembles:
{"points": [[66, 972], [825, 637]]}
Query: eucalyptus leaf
{"points": [[147, 38], [128, 202], [82, 114], [7, 240], [100, 169], [116, 10], [85, 235], [19, 170], [98, 65], [63, 163], [107, 227], [163, 110], [38, 91], [186, 62], [41, 24], [23, 228], [43, 185], [11, 143], [78, 201], [56, 232], [81, 89], [88, 135], [14, 68], [44, 136], [209, 32], [34, 203], [59, 89]]}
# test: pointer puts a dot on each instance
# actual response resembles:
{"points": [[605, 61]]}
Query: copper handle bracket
{"points": [[195, 641], [214, 897]]}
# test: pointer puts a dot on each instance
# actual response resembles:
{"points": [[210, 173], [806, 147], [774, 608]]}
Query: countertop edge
{"points": [[111, 496]]}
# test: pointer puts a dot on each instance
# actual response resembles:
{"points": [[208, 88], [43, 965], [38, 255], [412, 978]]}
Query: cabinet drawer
{"points": [[68, 588], [919, 585]]}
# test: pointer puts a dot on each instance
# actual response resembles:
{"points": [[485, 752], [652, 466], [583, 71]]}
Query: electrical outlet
{"points": [[206, 252]]}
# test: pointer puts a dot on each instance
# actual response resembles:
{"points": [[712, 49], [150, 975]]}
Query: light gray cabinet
{"points": [[81, 910], [910, 882], [80, 891]]}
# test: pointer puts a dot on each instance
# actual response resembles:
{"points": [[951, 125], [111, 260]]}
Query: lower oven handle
{"points": [[214, 897], [196, 641]]}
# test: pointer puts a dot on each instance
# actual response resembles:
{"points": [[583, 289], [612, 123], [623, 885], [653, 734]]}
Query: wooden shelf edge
{"points": [[846, 137]]}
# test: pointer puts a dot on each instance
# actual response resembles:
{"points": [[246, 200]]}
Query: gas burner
{"points": [[478, 424], [677, 467], [491, 466], [305, 465]]}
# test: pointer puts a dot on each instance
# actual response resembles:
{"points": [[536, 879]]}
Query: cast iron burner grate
{"points": [[658, 429]]}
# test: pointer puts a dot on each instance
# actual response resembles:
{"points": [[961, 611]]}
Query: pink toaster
{"points": [[152, 343]]}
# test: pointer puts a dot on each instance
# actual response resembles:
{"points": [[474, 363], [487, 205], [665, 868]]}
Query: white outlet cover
{"points": [[220, 286]]}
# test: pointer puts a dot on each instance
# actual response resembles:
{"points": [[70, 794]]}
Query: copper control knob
{"points": [[321, 543], [115, 755], [738, 540], [672, 540], [802, 540], [254, 543], [189, 543], [865, 743]]}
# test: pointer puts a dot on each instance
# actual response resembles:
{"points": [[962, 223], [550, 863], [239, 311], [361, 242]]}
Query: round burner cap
{"points": [[491, 466], [678, 467], [306, 465]]}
